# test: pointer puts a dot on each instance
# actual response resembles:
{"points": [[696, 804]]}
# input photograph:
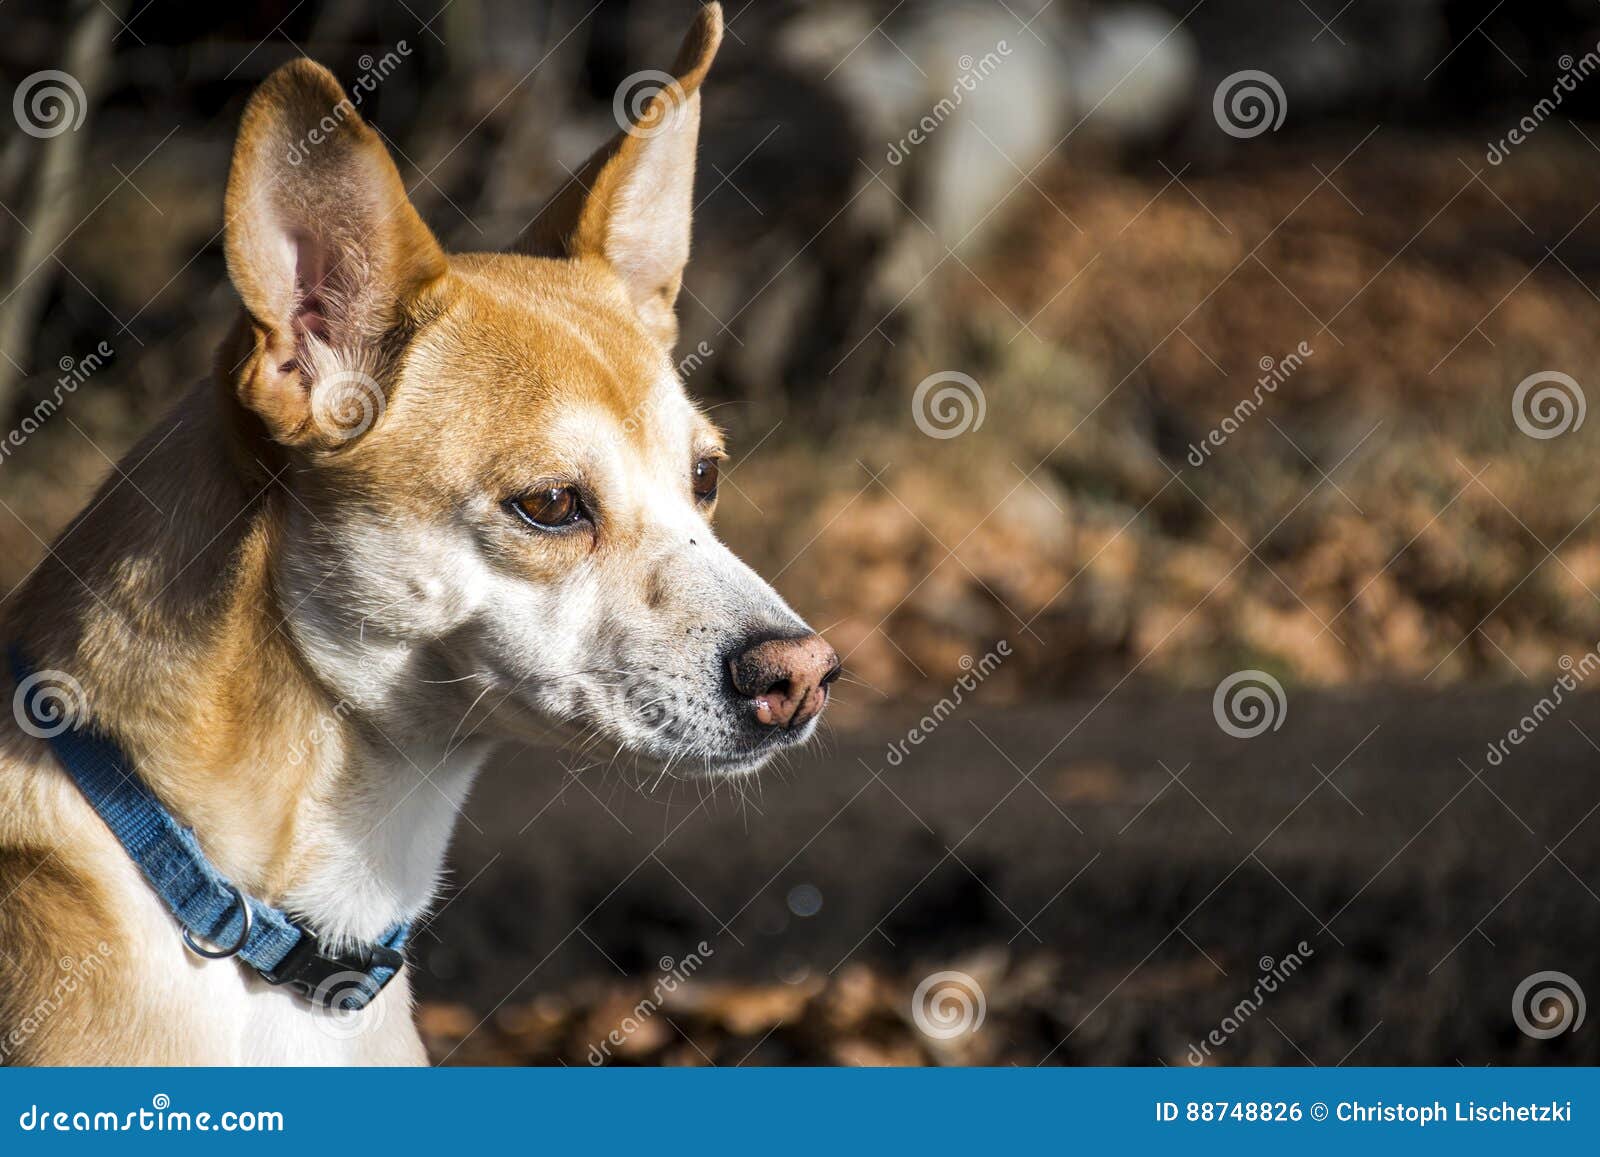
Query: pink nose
{"points": [[786, 679]]}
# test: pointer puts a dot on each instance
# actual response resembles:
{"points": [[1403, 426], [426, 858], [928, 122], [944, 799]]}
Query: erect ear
{"points": [[326, 252], [631, 202]]}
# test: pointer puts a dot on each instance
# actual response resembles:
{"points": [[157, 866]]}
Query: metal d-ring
{"points": [[194, 946]]}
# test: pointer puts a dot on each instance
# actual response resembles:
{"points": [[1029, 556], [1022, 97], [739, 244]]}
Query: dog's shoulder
{"points": [[61, 938]]}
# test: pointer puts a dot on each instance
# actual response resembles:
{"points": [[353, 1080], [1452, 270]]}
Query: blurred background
{"points": [[1174, 413]]}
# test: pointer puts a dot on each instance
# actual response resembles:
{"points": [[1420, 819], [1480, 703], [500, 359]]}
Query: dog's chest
{"points": [[281, 1029], [277, 1028], [372, 860], [218, 1012], [379, 847]]}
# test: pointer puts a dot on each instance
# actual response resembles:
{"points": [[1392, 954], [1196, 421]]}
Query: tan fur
{"points": [[304, 630]]}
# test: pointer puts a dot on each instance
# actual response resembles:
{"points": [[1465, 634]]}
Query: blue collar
{"points": [[217, 918]]}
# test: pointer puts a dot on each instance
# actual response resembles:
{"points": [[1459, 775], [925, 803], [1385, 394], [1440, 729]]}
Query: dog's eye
{"points": [[550, 509], [705, 479]]}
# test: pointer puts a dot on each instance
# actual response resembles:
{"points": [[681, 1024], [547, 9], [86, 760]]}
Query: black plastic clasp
{"points": [[342, 982]]}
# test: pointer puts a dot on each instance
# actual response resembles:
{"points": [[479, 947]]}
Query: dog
{"points": [[426, 504]]}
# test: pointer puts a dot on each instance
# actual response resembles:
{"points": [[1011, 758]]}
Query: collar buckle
{"points": [[341, 982]]}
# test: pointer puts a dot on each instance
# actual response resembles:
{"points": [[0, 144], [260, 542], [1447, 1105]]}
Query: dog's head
{"points": [[501, 494]]}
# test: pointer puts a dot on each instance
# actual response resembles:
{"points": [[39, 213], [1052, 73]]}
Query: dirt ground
{"points": [[1110, 914]]}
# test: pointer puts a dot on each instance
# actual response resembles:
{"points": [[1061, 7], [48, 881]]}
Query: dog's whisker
{"points": [[450, 743]]}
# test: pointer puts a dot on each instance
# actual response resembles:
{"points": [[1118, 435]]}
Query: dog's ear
{"points": [[631, 202], [326, 252]]}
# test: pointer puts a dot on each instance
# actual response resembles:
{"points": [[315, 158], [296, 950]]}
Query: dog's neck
{"points": [[161, 600]]}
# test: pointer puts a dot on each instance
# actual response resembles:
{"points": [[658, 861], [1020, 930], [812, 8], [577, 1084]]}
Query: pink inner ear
{"points": [[310, 278]]}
